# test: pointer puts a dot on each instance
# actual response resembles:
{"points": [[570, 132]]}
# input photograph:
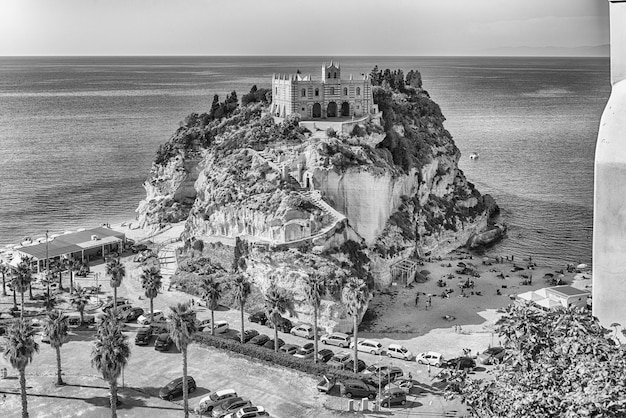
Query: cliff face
{"points": [[351, 203]]}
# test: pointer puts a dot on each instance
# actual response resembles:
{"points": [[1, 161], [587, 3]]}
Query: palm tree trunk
{"points": [[61, 280], [71, 281], [81, 316], [30, 291], [23, 391], [275, 338], [242, 330], [315, 333], [115, 296], [113, 399], [185, 388], [212, 323], [14, 299], [151, 307], [22, 311], [59, 379], [356, 358], [4, 286]]}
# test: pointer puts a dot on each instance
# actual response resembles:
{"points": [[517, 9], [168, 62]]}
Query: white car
{"points": [[147, 319], [368, 346], [303, 330], [399, 351], [430, 357], [220, 327], [207, 403], [248, 412]]}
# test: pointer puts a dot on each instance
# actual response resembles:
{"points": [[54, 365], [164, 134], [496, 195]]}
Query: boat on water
{"points": [[474, 156]]}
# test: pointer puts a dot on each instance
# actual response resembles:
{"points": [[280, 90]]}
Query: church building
{"points": [[330, 97]]}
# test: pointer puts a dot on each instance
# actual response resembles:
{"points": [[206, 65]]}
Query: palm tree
{"points": [[277, 302], [49, 301], [314, 288], [110, 353], [151, 282], [4, 269], [117, 272], [241, 290], [79, 299], [72, 265], [21, 281], [211, 293], [19, 351], [182, 325], [57, 327], [58, 267], [28, 261], [355, 295]]}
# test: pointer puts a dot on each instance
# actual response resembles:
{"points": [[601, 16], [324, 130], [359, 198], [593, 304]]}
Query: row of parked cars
{"points": [[220, 404]]}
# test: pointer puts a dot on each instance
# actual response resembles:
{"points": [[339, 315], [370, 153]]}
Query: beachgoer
{"points": [[512, 257], [410, 376], [417, 298], [428, 369]]}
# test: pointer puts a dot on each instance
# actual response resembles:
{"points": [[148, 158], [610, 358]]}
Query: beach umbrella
{"points": [[548, 275], [461, 264], [581, 266], [425, 272]]}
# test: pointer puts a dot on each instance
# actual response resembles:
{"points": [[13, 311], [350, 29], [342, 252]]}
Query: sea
{"points": [[78, 134]]}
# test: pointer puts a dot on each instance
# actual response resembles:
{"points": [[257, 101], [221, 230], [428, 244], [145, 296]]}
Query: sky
{"points": [[302, 27]]}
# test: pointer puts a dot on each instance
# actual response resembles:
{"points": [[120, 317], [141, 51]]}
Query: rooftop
{"points": [[72, 242]]}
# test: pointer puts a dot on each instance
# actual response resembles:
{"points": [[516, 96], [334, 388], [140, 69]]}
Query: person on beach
{"points": [[417, 298], [430, 301]]}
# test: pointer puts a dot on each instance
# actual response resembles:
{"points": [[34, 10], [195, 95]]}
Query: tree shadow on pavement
{"points": [[420, 389]]}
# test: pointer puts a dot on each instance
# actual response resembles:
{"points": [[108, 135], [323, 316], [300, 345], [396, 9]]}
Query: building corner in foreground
{"points": [[609, 219]]}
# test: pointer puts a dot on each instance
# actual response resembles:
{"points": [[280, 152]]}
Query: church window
{"points": [[345, 91], [303, 92], [335, 75], [332, 90], [317, 92], [358, 91], [328, 75], [277, 91]]}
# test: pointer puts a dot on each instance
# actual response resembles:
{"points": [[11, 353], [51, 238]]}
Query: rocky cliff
{"points": [[308, 201]]}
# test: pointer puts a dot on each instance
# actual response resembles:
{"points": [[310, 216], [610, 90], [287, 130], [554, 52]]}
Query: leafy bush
{"points": [[331, 133]]}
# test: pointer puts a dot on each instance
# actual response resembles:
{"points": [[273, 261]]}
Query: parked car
{"points": [[338, 338], [258, 317], [247, 335], [175, 388], [303, 330], [375, 369], [340, 359], [360, 365], [460, 363], [289, 349], [259, 339], [209, 402], [228, 336], [355, 388], [132, 314], [248, 412], [270, 344], [137, 248], [87, 320], [399, 351], [121, 304], [219, 327], [283, 324], [326, 384], [430, 357], [204, 325], [147, 318], [403, 383], [325, 355], [492, 355], [368, 346], [228, 406], [393, 397], [307, 351], [143, 337], [163, 342], [385, 376]]}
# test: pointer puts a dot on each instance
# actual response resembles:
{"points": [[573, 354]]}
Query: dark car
{"points": [[386, 375], [391, 397], [143, 337], [258, 317], [270, 344], [355, 388], [232, 337], [229, 406], [460, 363], [132, 314], [247, 335], [360, 365], [137, 248], [492, 355], [324, 355], [110, 304], [175, 388], [283, 325], [259, 339], [163, 342]]}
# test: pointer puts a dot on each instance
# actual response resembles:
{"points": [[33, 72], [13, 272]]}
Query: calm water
{"points": [[79, 134]]}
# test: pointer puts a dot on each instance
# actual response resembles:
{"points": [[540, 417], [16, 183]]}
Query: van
{"points": [[338, 338], [399, 351]]}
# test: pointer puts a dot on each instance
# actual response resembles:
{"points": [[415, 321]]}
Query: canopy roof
{"points": [[73, 242]]}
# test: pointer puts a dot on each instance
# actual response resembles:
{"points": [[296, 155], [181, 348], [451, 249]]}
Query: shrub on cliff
{"points": [[257, 96]]}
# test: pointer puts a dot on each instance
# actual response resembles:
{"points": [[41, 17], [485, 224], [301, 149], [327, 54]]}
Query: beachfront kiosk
{"points": [[85, 245], [609, 212]]}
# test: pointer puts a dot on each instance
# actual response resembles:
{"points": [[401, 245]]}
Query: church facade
{"points": [[330, 97]]}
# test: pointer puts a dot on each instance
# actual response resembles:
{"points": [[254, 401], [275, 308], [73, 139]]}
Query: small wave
{"points": [[550, 92]]}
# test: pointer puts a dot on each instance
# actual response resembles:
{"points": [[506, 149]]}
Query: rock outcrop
{"points": [[353, 204]]}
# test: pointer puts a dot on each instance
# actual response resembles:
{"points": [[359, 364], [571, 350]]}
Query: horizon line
{"points": [[309, 55]]}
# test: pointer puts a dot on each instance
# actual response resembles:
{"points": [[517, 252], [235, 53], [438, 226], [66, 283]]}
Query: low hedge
{"points": [[282, 359]]}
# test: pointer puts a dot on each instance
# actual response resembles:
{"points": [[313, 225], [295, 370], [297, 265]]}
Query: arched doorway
{"points": [[317, 110], [345, 109], [332, 110]]}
